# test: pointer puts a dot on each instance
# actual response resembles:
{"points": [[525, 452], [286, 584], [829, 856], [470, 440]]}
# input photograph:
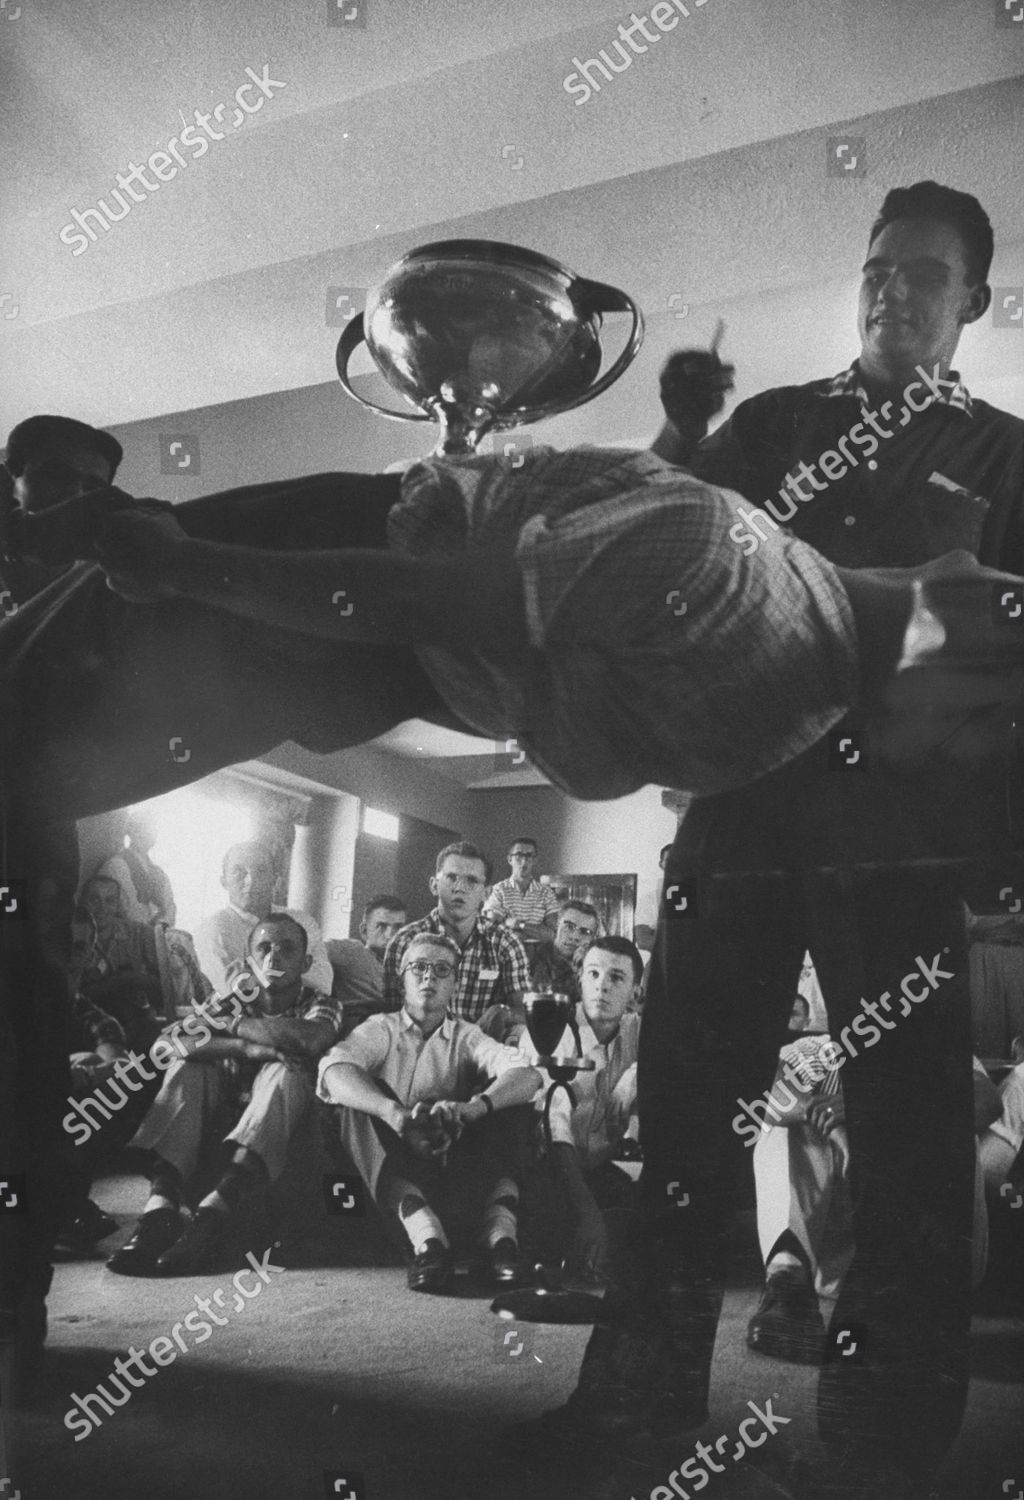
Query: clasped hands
{"points": [[432, 1129]]}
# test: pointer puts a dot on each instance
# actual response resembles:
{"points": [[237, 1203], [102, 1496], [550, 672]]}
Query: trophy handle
{"points": [[598, 297], [354, 335]]}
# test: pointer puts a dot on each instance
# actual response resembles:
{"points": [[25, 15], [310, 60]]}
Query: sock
{"points": [[165, 1187], [500, 1211], [238, 1181], [784, 1260], [418, 1219]]}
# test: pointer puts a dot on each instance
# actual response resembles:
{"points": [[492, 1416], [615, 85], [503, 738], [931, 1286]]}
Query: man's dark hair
{"points": [[525, 839], [623, 947], [282, 919], [930, 200], [383, 902], [37, 436], [583, 906], [464, 850]]}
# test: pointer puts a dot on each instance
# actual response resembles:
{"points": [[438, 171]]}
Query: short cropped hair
{"points": [[433, 940], [524, 839], [464, 850], [383, 902], [623, 947], [38, 436], [281, 919], [930, 200], [251, 846], [584, 906]]}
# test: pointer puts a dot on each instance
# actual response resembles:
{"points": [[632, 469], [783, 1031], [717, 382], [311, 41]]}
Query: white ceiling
{"points": [[696, 177]]}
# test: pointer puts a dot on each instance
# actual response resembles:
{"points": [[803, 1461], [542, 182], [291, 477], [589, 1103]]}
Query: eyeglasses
{"points": [[469, 881], [422, 968], [571, 926]]}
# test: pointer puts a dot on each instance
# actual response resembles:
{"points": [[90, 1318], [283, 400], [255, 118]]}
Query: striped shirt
{"points": [[532, 905], [493, 967]]}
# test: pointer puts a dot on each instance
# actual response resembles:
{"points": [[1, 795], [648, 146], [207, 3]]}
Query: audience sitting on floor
{"points": [[493, 970], [428, 1111], [248, 876], [358, 963], [522, 903], [123, 974], [587, 1135], [552, 963], [274, 1045]]}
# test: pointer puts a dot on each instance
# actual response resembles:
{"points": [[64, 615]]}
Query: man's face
{"points": [[428, 995], [521, 858], [379, 926], [280, 955], [63, 474], [574, 927], [460, 887], [83, 947], [800, 1015], [607, 985], [102, 900], [249, 881], [914, 299]]}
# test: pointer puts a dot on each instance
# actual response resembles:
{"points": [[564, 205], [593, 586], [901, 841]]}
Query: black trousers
{"points": [[767, 872]]}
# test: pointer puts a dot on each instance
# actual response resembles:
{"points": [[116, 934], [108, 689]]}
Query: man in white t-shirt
{"points": [[221, 940]]}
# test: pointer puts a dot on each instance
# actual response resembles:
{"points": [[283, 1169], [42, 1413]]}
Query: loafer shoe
{"points": [[154, 1233], [788, 1324], [431, 1269], [200, 1248]]}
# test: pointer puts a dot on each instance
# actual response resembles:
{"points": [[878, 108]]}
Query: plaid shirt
{"points": [[662, 653], [493, 967], [850, 383], [309, 1005]]}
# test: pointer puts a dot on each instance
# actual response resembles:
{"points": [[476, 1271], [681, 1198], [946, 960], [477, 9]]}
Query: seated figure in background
{"points": [[123, 974], [247, 876], [283, 1033], [585, 1137], [358, 963], [521, 903], [423, 1093]]}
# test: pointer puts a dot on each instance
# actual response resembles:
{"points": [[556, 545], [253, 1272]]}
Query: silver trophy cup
{"points": [[479, 336]]}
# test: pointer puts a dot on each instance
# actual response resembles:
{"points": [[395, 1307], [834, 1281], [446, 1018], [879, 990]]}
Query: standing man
{"points": [[521, 903], [493, 971], [222, 940], [848, 864], [421, 1067], [359, 965]]}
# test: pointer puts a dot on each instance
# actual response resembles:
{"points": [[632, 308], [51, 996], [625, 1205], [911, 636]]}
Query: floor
{"points": [[337, 1381]]}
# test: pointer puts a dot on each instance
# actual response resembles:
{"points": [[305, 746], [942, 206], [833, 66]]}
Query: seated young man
{"points": [[422, 1094], [123, 975], [277, 1043], [598, 1195]]}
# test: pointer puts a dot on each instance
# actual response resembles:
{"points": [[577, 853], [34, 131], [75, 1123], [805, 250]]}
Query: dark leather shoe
{"points": [[200, 1248], [154, 1233], [788, 1324], [503, 1263], [432, 1269], [80, 1234]]}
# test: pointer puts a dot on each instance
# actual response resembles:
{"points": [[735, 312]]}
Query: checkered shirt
{"points": [[493, 966], [309, 1005], [850, 382], [662, 653]]}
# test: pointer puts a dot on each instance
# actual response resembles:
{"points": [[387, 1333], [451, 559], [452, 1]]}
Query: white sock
{"points": [[157, 1200], [784, 1260], [423, 1225], [499, 1218], [215, 1201]]}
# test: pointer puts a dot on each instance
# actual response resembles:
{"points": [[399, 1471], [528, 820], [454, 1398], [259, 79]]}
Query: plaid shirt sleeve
{"points": [[314, 1006]]}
